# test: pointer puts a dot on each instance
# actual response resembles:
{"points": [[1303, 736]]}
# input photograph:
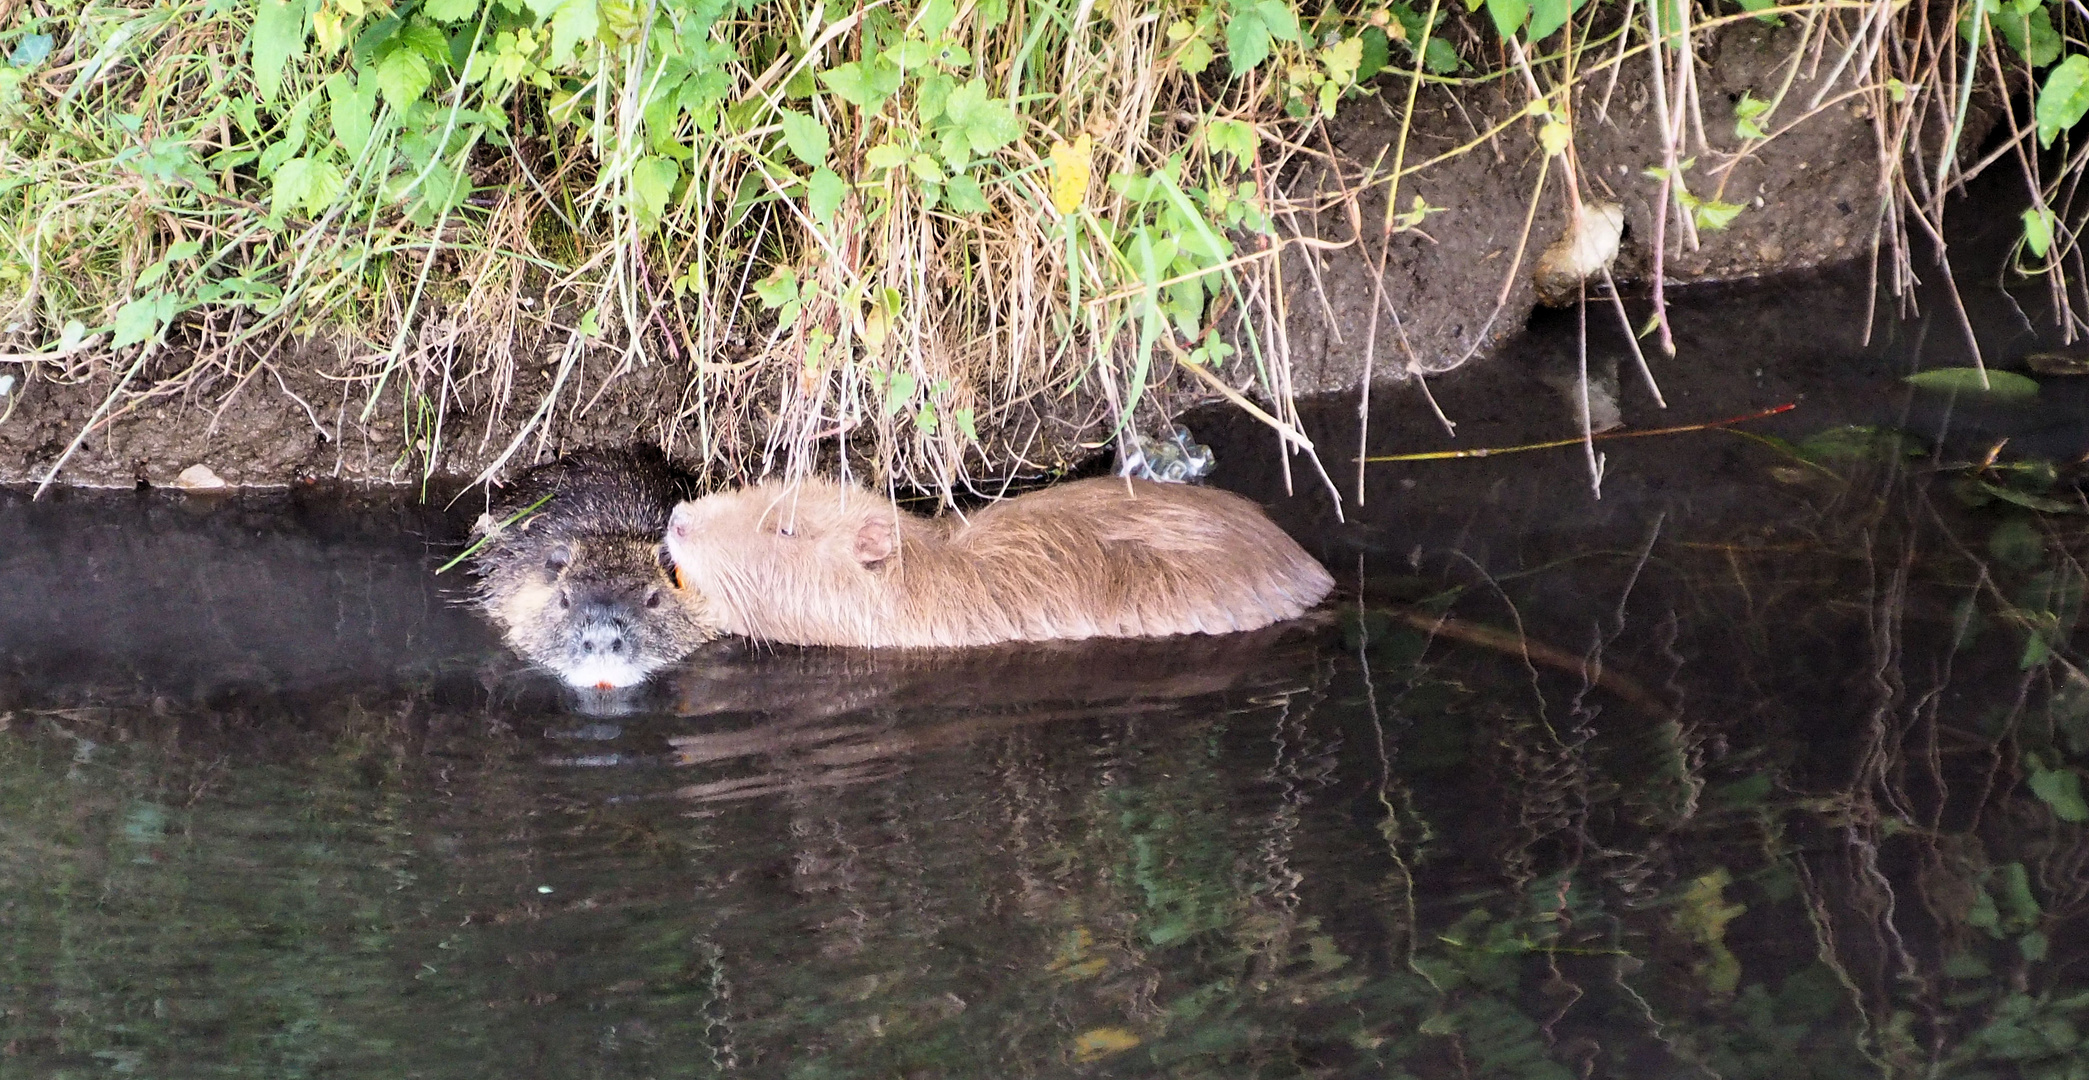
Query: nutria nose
{"points": [[601, 639], [601, 631]]}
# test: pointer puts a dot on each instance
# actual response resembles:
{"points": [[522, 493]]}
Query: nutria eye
{"points": [[565, 602], [786, 530], [557, 558], [653, 599]]}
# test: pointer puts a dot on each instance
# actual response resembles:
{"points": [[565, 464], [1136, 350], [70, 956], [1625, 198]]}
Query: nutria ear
{"points": [[875, 541]]}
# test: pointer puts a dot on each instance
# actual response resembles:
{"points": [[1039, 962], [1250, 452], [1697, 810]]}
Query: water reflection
{"points": [[1767, 764]]}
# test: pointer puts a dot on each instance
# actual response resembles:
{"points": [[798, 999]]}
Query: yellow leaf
{"points": [[330, 27], [1103, 1042], [1702, 912], [1554, 137], [877, 326], [1070, 170]]}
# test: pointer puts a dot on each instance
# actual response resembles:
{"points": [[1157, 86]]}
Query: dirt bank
{"points": [[1458, 285]]}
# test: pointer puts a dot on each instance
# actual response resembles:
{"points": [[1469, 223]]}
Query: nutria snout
{"points": [[580, 583], [820, 563]]}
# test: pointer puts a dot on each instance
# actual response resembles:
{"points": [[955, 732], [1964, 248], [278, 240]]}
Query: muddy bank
{"points": [[1454, 289], [1459, 284]]}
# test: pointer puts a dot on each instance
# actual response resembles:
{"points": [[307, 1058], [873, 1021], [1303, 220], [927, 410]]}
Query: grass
{"points": [[895, 232]]}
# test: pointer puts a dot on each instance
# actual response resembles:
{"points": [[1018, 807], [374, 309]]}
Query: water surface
{"points": [[1766, 763]]}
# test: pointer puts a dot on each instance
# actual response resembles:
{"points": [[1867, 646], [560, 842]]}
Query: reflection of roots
{"points": [[1622, 686]]}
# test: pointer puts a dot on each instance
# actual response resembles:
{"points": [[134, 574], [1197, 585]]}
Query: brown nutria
{"points": [[820, 563], [579, 583]]}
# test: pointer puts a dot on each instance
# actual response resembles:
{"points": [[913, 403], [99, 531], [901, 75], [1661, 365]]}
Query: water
{"points": [[1765, 764]]}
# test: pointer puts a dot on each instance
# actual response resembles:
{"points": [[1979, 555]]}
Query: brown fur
{"points": [[580, 585], [819, 563]]}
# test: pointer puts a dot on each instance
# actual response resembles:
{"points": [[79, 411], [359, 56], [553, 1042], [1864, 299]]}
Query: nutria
{"points": [[580, 584], [820, 563]]}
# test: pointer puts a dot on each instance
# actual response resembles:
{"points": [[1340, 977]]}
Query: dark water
{"points": [[1765, 764]]}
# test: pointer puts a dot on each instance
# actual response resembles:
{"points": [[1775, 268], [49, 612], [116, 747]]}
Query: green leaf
{"points": [[652, 182], [1247, 42], [1195, 56], [305, 183], [1278, 16], [450, 11], [864, 83], [2063, 99], [30, 50], [2016, 897], [2015, 543], [1508, 15], [350, 107], [140, 319], [824, 193], [1547, 16], [2028, 501], [1234, 137], [2061, 791], [279, 37], [1342, 59], [2000, 385], [2039, 224], [935, 17], [322, 187], [909, 54], [806, 137], [1712, 215], [1745, 112], [899, 389], [931, 95], [965, 424], [426, 40], [1375, 55], [778, 289], [2026, 27], [1440, 58], [965, 197], [925, 167], [885, 156], [575, 21], [402, 77], [989, 124]]}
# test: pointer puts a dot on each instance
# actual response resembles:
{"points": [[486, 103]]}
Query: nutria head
{"points": [[602, 610], [809, 561], [572, 569]]}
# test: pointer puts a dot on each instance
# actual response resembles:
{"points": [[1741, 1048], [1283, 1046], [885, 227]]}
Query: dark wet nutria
{"points": [[820, 563], [581, 584]]}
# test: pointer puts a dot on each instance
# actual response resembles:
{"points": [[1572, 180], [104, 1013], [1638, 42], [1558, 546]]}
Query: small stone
{"points": [[1586, 248], [199, 478]]}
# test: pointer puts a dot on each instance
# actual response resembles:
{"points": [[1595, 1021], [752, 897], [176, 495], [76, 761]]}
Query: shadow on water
{"points": [[1766, 764]]}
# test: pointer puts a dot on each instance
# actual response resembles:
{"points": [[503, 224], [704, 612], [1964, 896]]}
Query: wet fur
{"points": [[820, 563], [607, 511]]}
